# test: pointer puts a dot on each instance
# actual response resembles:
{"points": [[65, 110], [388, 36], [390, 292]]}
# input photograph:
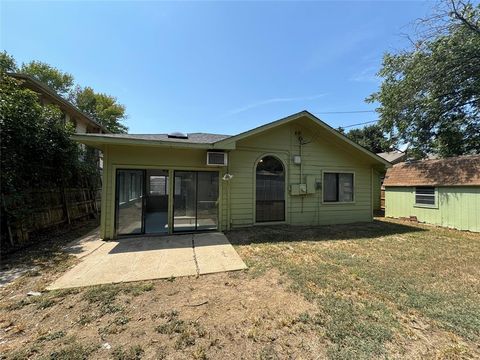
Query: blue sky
{"points": [[221, 67]]}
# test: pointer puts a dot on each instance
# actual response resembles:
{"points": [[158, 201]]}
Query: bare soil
{"points": [[227, 316]]}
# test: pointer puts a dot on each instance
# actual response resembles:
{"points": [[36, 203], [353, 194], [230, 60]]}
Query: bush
{"points": [[36, 151]]}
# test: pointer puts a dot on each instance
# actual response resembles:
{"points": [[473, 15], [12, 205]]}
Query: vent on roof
{"points": [[178, 135]]}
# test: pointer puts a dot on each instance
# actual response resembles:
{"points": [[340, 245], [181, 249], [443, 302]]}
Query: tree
{"points": [[102, 107], [430, 95], [36, 152], [7, 63], [59, 81], [33, 161], [371, 138]]}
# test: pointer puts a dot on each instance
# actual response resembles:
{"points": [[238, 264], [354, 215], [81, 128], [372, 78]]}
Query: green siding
{"points": [[322, 152], [457, 207]]}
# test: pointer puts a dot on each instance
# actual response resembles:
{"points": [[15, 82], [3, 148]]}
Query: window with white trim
{"points": [[337, 187], [425, 195]]}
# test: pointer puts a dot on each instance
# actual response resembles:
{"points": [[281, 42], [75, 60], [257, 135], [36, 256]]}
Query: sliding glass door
{"points": [[142, 198], [195, 201], [142, 202], [129, 202], [156, 202], [184, 201], [207, 200]]}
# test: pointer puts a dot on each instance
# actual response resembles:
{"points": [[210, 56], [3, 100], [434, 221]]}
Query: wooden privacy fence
{"points": [[43, 208]]}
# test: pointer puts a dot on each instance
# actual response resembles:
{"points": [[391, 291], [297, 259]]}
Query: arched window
{"points": [[270, 190]]}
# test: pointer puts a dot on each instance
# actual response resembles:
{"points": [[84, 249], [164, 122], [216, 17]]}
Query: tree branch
{"points": [[459, 16]]}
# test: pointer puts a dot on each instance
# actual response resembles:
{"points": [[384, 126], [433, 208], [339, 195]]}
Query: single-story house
{"points": [[296, 170], [443, 192]]}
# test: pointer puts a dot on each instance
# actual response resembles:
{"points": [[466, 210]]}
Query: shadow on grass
{"points": [[44, 247], [292, 233]]}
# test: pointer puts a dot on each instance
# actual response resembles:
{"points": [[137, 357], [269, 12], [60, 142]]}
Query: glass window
{"points": [[158, 185], [425, 195], [338, 187], [270, 190]]}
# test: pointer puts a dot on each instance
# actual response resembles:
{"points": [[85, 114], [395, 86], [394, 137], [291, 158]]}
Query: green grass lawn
{"points": [[376, 284]]}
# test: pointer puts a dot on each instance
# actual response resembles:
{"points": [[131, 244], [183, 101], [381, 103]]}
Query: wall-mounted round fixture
{"points": [[227, 177]]}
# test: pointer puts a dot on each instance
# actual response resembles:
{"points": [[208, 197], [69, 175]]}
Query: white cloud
{"points": [[369, 74], [272, 101]]}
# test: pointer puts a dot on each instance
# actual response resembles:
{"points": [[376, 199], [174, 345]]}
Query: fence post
{"points": [[9, 229], [65, 205]]}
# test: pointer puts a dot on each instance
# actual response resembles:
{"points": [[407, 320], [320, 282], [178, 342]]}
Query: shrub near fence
{"points": [[44, 208]]}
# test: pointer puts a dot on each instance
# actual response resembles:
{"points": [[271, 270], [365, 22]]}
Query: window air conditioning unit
{"points": [[215, 158]]}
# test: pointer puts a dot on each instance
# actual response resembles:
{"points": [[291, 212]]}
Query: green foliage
{"points": [[59, 81], [371, 138], [7, 63], [430, 96], [102, 107], [35, 144]]}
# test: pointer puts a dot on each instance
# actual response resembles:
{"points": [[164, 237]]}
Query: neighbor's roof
{"points": [[455, 171], [41, 87], [193, 138], [393, 156]]}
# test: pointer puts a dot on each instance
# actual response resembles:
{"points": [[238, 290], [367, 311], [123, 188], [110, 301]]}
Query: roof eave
{"points": [[232, 140], [99, 142], [64, 102]]}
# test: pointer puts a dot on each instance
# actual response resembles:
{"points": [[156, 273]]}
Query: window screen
{"points": [[270, 190], [337, 187], [425, 195]]}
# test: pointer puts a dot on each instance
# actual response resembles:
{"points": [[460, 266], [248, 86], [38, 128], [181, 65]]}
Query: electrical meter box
{"points": [[298, 189]]}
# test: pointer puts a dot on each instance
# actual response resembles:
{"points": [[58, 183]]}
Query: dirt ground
{"points": [[309, 293], [224, 316]]}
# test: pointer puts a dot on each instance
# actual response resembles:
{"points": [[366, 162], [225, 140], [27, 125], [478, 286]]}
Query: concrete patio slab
{"points": [[148, 258], [214, 253], [85, 245]]}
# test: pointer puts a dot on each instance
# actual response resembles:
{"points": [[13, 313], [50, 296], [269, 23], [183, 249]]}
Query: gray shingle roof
{"points": [[393, 156], [193, 138]]}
